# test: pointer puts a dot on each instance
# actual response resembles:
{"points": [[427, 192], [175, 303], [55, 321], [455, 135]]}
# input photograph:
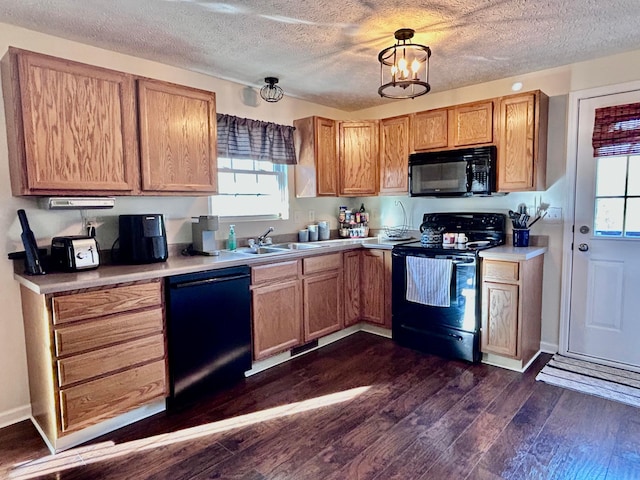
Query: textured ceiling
{"points": [[326, 52]]}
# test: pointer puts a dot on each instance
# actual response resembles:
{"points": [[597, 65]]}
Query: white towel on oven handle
{"points": [[429, 280]]}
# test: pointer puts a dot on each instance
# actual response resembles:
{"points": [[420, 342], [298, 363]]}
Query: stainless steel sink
{"points": [[278, 248], [297, 246], [262, 250]]}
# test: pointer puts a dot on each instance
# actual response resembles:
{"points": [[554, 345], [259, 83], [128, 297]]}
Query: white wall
{"points": [[238, 100]]}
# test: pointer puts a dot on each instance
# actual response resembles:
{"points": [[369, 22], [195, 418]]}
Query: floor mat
{"points": [[600, 380]]}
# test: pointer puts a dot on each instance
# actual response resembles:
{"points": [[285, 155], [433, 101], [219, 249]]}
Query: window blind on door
{"points": [[616, 130]]}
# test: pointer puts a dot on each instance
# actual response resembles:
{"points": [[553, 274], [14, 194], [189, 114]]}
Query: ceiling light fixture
{"points": [[404, 67], [271, 92]]}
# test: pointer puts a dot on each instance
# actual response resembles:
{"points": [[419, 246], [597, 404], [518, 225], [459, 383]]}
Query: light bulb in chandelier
{"points": [[404, 67]]}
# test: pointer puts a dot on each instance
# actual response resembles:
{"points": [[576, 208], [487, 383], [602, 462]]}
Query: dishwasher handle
{"points": [[209, 281]]}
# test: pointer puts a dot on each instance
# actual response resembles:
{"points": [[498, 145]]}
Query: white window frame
{"points": [[280, 170]]}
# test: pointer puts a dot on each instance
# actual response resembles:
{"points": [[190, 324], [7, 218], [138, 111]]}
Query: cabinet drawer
{"points": [[101, 332], [274, 271], [79, 306], [110, 359], [322, 263], [92, 402], [498, 271]]}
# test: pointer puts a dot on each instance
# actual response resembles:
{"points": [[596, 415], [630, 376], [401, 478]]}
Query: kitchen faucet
{"points": [[263, 237]]}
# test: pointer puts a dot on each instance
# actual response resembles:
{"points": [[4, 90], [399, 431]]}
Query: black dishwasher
{"points": [[208, 331]]}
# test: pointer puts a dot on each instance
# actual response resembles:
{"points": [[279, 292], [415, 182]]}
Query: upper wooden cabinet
{"points": [[71, 127], [430, 129], [358, 158], [177, 138], [522, 149], [453, 127], [472, 124], [75, 129], [394, 155], [316, 173]]}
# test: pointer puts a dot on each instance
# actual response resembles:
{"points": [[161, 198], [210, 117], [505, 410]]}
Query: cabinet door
{"points": [[177, 138], [351, 273], [277, 318], [316, 141], [429, 129], [74, 130], [394, 155], [323, 313], [372, 293], [499, 318], [358, 158], [472, 124], [523, 142]]}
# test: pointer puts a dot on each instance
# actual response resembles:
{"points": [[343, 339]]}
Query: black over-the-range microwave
{"points": [[453, 173]]}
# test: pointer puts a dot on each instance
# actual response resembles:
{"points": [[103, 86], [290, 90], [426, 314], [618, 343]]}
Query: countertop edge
{"points": [[177, 265], [506, 252]]}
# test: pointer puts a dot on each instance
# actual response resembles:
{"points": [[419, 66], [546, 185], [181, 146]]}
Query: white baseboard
{"points": [[15, 415], [547, 347]]}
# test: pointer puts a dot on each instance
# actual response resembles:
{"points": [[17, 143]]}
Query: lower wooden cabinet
{"points": [[375, 291], [93, 354], [276, 298], [512, 308], [351, 277], [322, 287], [367, 287]]}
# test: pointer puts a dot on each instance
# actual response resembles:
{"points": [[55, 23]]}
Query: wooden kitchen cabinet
{"points": [[430, 129], [77, 129], [375, 293], [177, 138], [512, 308], [89, 364], [522, 149], [358, 158], [394, 155], [71, 127], [323, 295], [316, 173], [472, 124], [276, 297], [351, 277], [454, 127]]}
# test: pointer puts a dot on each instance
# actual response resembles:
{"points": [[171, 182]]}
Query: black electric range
{"points": [[451, 329]]}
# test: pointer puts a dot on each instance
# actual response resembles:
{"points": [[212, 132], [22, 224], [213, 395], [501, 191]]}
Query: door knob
{"points": [[583, 247]]}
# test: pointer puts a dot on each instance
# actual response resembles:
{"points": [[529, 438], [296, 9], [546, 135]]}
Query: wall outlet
{"points": [[554, 215], [312, 215]]}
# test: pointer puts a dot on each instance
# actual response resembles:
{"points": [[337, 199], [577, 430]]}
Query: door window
{"points": [[617, 202]]}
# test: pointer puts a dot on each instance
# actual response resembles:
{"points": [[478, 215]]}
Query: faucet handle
{"points": [[251, 242], [268, 241]]}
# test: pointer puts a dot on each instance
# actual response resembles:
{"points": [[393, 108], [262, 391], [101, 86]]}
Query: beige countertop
{"points": [[510, 253], [179, 264]]}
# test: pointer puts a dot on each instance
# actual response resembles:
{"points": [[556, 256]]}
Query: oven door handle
{"points": [[447, 336]]}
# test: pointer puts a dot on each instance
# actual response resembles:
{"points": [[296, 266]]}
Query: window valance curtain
{"points": [[616, 130], [246, 138]]}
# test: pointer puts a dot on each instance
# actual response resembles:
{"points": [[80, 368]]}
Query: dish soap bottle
{"points": [[231, 243]]}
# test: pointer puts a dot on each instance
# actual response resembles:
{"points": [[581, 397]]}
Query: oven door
{"points": [[450, 331]]}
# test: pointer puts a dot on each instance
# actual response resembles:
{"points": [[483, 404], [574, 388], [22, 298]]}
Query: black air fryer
{"points": [[142, 239]]}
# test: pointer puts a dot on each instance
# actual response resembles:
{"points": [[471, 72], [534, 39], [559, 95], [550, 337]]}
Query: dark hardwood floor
{"points": [[361, 408]]}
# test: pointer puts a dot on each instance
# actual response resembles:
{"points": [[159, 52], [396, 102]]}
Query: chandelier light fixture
{"points": [[404, 67], [271, 92]]}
